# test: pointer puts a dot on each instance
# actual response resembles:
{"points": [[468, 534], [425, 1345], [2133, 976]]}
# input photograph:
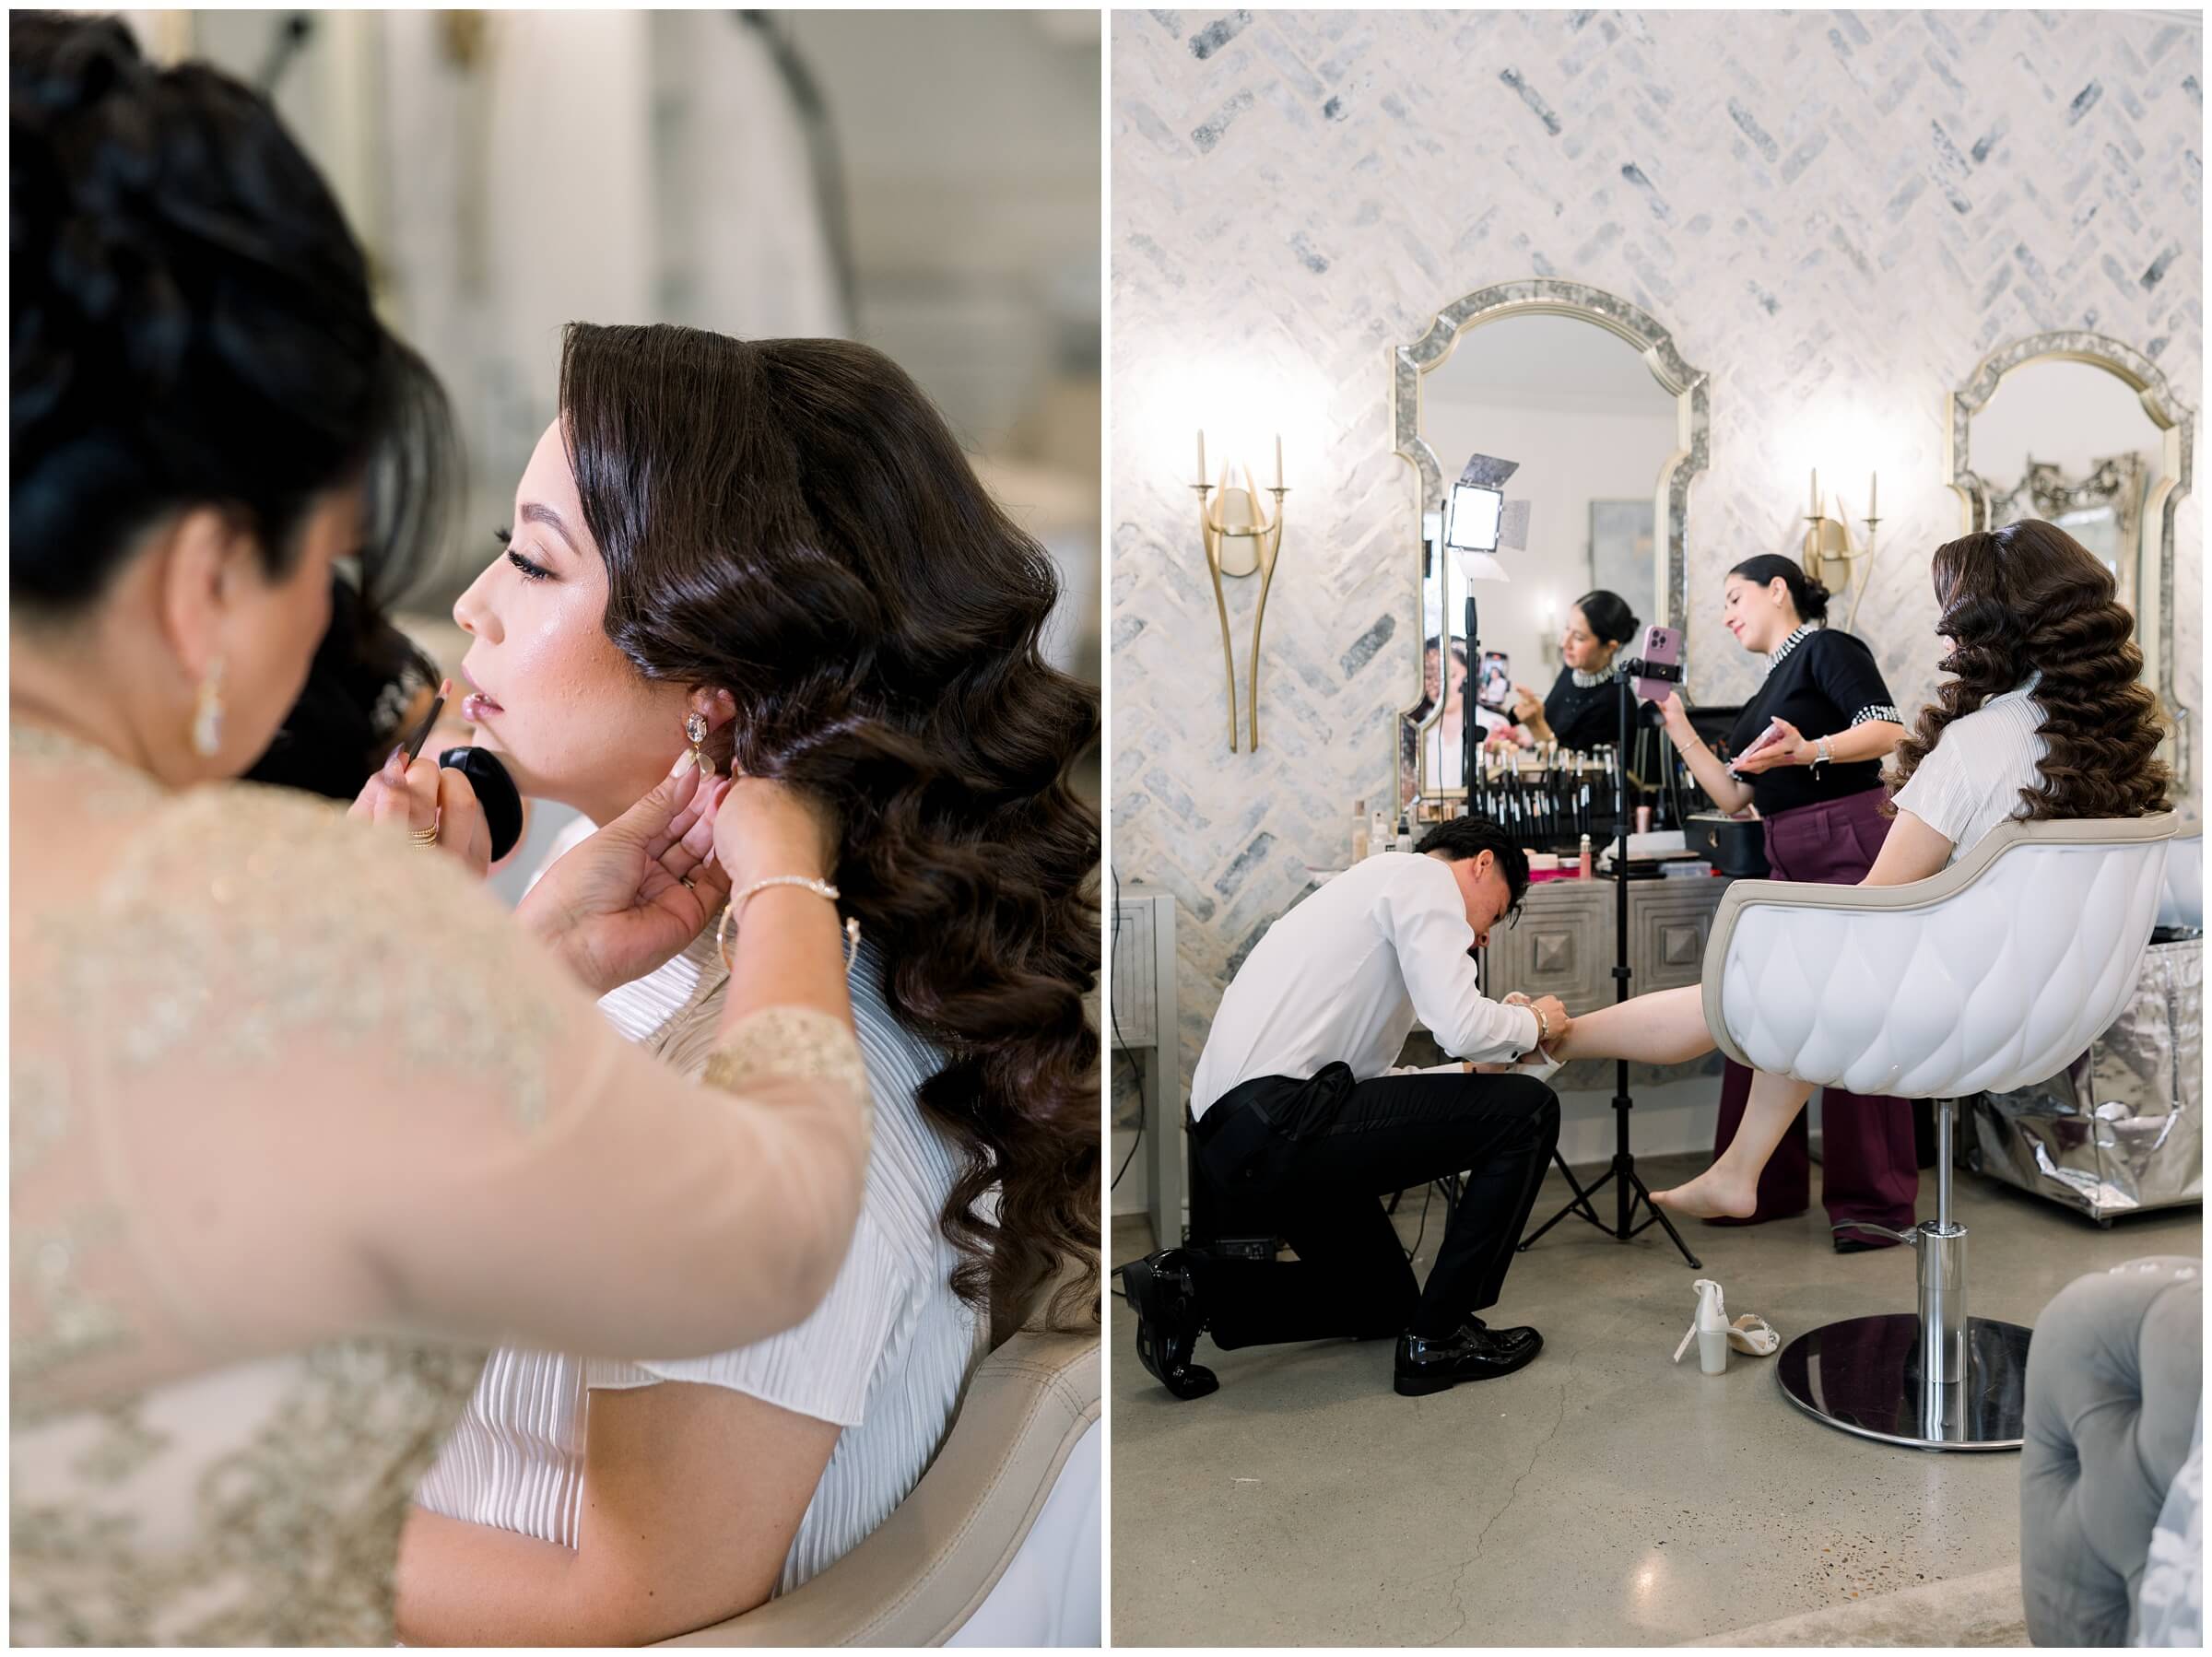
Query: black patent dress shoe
{"points": [[1430, 1364], [1167, 1322]]}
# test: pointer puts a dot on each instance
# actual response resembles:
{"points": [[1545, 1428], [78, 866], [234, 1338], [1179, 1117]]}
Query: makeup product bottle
{"points": [[1361, 827], [1405, 833], [1379, 836], [1586, 868]]}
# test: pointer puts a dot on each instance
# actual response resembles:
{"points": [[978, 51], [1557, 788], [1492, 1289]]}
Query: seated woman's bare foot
{"points": [[1713, 1194]]}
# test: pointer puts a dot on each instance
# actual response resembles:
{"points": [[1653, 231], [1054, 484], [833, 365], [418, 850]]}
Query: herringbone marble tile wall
{"points": [[1837, 214]]}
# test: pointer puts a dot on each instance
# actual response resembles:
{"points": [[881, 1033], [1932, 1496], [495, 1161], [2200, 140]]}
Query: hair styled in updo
{"points": [[191, 326], [1810, 596], [1608, 616]]}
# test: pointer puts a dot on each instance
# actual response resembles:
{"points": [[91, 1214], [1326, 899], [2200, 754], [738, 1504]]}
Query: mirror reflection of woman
{"points": [[779, 547], [301, 1121], [1818, 788], [1581, 709], [1445, 739]]}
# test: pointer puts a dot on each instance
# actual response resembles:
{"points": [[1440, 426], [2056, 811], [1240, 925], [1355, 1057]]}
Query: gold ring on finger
{"points": [[424, 837]]}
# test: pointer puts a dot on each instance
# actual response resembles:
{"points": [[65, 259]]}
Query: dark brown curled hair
{"points": [[792, 521], [2030, 598]]}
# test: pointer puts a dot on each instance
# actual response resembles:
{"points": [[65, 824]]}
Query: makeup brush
{"points": [[429, 721]]}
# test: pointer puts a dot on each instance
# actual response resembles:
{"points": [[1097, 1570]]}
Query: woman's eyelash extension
{"points": [[530, 571]]}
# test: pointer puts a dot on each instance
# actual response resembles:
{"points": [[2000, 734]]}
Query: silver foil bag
{"points": [[2122, 1128]]}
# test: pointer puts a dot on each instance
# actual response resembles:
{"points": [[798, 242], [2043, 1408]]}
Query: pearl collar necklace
{"points": [[1788, 644]]}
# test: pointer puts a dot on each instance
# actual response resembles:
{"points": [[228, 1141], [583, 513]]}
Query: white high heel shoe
{"points": [[1750, 1334]]}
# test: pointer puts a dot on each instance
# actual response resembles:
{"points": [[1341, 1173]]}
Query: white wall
{"points": [[1837, 214]]}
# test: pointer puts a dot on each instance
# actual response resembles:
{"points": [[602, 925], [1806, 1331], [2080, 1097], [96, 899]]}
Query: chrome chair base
{"points": [[1863, 1375]]}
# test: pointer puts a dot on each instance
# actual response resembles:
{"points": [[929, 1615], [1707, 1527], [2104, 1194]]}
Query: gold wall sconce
{"points": [[1830, 557], [1242, 534]]}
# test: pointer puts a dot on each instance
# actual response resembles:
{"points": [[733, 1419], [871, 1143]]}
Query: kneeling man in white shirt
{"points": [[1300, 1128]]}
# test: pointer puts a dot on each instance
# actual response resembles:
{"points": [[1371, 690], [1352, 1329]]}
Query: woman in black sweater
{"points": [[1817, 785], [1582, 710]]}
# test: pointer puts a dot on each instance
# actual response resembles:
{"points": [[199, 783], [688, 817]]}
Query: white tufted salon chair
{"points": [[1992, 974], [1000, 1542]]}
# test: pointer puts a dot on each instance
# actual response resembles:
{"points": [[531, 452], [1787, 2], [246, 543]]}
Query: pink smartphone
{"points": [[1662, 645], [1767, 739]]}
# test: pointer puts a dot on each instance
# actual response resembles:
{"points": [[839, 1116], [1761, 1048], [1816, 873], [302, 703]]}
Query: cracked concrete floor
{"points": [[1600, 1497]]}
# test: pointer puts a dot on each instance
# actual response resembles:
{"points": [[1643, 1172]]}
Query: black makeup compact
{"points": [[496, 793]]}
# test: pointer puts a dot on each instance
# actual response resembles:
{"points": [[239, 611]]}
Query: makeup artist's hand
{"points": [[418, 796], [1528, 706], [1676, 718], [764, 829], [628, 899]]}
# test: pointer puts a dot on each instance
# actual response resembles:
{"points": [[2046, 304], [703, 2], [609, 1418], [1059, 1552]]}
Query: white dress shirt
{"points": [[1343, 975], [1970, 780]]}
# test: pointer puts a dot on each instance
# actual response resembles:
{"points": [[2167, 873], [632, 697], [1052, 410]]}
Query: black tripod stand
{"points": [[1629, 1185]]}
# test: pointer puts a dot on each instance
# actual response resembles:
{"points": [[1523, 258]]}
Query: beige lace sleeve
{"points": [[790, 1044], [311, 1080]]}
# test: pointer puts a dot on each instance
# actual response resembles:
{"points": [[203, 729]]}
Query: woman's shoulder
{"points": [[1999, 721], [1829, 641], [1998, 743]]}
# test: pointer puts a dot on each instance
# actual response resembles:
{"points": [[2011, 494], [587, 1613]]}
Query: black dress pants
{"points": [[1311, 1160]]}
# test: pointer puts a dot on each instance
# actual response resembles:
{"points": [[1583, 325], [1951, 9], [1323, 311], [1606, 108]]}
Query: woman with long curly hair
{"points": [[2046, 716], [773, 554]]}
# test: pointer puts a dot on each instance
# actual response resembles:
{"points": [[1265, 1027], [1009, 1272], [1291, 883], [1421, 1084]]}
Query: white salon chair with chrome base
{"points": [[1992, 974]]}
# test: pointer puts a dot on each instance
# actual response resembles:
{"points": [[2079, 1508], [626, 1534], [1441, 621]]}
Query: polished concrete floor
{"points": [[1602, 1495]]}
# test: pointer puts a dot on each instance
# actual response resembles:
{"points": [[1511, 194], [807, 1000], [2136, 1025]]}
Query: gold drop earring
{"points": [[207, 713], [695, 727]]}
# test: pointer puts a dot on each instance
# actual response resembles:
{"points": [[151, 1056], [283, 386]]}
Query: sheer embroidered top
{"points": [[302, 1123]]}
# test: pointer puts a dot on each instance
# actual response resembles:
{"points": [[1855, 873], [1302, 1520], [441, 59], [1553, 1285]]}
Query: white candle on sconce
{"points": [[1873, 494], [1816, 491], [1279, 460], [1202, 456]]}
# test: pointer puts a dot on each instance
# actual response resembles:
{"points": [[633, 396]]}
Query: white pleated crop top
{"points": [[886, 1356]]}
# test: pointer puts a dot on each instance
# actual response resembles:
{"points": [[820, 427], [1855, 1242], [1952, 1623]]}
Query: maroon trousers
{"points": [[1870, 1167]]}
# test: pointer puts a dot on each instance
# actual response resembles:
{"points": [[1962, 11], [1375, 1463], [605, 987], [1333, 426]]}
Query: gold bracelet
{"points": [[821, 888]]}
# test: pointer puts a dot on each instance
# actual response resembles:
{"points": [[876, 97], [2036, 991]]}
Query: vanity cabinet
{"points": [[1563, 946]]}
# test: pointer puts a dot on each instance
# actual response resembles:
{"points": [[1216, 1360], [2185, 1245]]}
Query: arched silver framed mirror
{"points": [[2084, 432], [1608, 425]]}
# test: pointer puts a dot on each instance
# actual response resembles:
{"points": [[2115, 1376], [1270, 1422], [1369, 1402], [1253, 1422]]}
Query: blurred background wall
{"points": [[927, 183], [758, 173]]}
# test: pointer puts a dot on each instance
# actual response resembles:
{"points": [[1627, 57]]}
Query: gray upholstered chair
{"points": [[2114, 1382], [998, 1544], [1992, 973]]}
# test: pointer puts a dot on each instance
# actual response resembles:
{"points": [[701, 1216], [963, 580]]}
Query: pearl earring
{"points": [[208, 713], [695, 727]]}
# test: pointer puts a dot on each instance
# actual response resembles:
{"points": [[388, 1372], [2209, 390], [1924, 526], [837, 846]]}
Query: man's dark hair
{"points": [[1463, 838]]}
